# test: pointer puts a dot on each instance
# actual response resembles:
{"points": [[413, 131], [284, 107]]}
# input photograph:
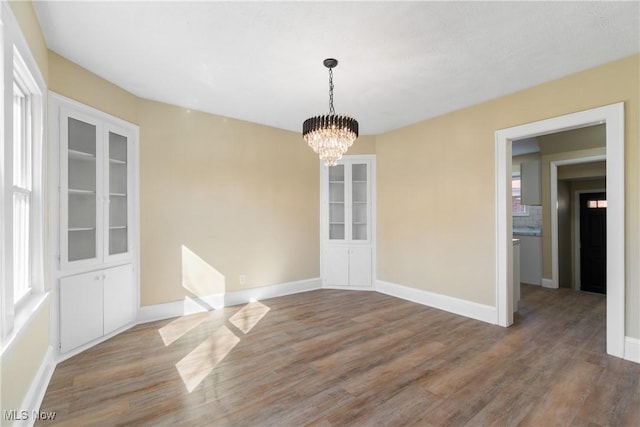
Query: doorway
{"points": [[593, 242], [613, 117]]}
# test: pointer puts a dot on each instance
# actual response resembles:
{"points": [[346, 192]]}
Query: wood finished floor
{"points": [[355, 358]]}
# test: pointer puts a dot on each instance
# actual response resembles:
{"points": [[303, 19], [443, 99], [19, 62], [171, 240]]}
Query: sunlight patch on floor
{"points": [[249, 316], [195, 366], [177, 328]]}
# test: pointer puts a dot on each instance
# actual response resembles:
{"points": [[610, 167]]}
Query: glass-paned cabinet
{"points": [[81, 191], [359, 202], [337, 204], [97, 281], [347, 221], [118, 191], [95, 188]]}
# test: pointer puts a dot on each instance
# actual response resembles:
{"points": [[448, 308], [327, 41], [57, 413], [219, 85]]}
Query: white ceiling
{"points": [[400, 62]]}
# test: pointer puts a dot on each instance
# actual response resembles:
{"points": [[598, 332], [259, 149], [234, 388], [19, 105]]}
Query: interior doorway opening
{"points": [[613, 117], [593, 242]]}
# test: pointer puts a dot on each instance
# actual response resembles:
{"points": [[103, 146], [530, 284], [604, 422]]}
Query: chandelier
{"points": [[330, 136]]}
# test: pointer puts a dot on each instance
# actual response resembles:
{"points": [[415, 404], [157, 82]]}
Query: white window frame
{"points": [[22, 186], [19, 65]]}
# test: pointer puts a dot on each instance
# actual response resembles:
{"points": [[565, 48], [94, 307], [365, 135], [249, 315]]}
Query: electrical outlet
{"points": [[243, 279]]}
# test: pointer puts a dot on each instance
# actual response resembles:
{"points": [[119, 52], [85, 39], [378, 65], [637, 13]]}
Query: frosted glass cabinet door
{"points": [[337, 202], [359, 202], [118, 190], [80, 192]]}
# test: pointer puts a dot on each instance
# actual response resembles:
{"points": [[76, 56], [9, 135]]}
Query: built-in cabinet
{"points": [[95, 190], [97, 201], [531, 183], [95, 304], [348, 222]]}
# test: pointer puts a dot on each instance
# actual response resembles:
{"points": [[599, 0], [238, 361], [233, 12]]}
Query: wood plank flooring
{"points": [[330, 357]]}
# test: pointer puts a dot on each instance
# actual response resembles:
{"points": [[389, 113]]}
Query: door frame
{"points": [[576, 233], [613, 116], [553, 174]]}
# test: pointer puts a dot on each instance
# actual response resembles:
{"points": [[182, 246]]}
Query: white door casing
{"points": [[613, 116]]}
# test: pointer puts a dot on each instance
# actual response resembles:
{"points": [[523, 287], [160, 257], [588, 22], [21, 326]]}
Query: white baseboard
{"points": [[191, 305], [485, 313], [75, 351], [632, 349], [33, 399], [548, 283], [349, 288]]}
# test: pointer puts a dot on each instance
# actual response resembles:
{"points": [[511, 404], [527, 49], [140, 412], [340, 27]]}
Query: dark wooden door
{"points": [[593, 242]]}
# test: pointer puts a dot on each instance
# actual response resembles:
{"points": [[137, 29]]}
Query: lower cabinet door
{"points": [[336, 266], [81, 309], [119, 297], [360, 266], [347, 266]]}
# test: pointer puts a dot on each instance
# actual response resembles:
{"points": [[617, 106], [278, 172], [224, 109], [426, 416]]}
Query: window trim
{"points": [[20, 66]]}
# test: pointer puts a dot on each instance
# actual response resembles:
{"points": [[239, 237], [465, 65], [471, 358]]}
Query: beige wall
{"points": [[430, 175], [220, 198], [77, 83], [582, 170], [21, 364], [26, 17], [363, 145], [573, 140]]}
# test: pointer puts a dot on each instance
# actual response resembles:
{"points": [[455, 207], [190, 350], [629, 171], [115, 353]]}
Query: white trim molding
{"points": [[33, 399], [553, 180], [632, 349], [192, 305], [613, 116], [547, 283], [473, 310]]}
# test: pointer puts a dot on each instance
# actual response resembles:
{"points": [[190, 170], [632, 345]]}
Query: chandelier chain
{"points": [[332, 111]]}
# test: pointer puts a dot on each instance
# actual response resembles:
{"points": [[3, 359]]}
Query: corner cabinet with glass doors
{"points": [[97, 223], [348, 222]]}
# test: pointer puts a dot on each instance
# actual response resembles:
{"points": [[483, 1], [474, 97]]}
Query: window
{"points": [[517, 208], [22, 165], [21, 181], [597, 204]]}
